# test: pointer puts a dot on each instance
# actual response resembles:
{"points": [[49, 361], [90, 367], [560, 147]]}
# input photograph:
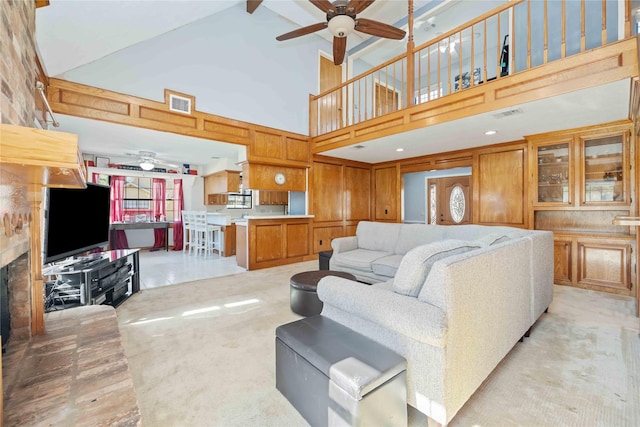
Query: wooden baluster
{"points": [[545, 53], [410, 56], [563, 45], [529, 34], [583, 39], [604, 22]]}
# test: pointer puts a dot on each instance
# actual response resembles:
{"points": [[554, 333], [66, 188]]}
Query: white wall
{"points": [[231, 62]]}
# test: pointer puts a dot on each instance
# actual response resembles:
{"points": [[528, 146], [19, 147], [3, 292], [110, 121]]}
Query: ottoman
{"points": [[335, 376], [303, 290]]}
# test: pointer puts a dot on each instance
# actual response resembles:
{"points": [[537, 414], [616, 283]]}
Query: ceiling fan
{"points": [[252, 5], [341, 21], [147, 161]]}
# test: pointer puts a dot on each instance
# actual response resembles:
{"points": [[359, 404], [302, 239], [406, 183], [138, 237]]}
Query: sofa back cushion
{"points": [[378, 236], [416, 264], [413, 235]]}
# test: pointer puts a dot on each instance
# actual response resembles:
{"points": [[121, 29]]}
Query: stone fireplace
{"points": [[16, 279]]}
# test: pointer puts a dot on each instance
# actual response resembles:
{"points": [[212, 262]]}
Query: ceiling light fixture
{"points": [[341, 25], [146, 165], [399, 149], [491, 132]]}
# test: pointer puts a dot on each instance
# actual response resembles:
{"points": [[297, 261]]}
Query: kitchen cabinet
{"points": [[216, 186], [217, 199], [269, 197], [229, 240]]}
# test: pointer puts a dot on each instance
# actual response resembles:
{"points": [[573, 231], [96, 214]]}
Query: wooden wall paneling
{"points": [[257, 176], [266, 146], [500, 186], [297, 149], [357, 193], [611, 63], [350, 230], [87, 101], [386, 193], [327, 197], [297, 240], [322, 237]]}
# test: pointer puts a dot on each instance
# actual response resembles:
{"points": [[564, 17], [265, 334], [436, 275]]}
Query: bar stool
{"points": [[204, 234], [187, 234]]}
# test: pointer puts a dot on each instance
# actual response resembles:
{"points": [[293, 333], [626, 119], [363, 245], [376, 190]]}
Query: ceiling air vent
{"points": [[358, 147], [179, 104], [508, 113]]}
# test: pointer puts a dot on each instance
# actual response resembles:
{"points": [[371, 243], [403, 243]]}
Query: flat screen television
{"points": [[76, 221]]}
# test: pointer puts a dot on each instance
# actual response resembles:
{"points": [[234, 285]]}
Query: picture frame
{"points": [[102, 162]]}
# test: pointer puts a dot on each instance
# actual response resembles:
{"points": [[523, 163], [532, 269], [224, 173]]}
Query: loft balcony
{"points": [[521, 52]]}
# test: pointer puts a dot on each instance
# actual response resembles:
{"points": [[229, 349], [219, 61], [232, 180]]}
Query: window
{"points": [[239, 201], [434, 92]]}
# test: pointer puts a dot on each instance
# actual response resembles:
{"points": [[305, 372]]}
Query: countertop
{"points": [[226, 219]]}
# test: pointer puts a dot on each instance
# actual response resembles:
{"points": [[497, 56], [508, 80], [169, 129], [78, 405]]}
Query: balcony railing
{"points": [[517, 36]]}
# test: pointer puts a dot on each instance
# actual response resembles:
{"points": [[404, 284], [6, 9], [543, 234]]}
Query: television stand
{"points": [[108, 277]]}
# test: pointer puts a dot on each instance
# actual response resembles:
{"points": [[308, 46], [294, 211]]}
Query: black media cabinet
{"points": [[108, 277]]}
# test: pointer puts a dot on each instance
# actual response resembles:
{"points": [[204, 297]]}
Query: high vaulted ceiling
{"points": [[74, 33]]}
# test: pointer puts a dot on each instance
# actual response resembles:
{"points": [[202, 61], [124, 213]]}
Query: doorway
{"points": [[448, 200], [330, 106]]}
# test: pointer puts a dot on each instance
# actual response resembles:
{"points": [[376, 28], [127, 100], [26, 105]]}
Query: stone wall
{"points": [[18, 70]]}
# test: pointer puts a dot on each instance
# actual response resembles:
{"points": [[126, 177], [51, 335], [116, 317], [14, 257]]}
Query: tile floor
{"points": [[162, 268]]}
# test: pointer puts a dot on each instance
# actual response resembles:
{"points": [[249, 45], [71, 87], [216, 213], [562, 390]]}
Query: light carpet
{"points": [[203, 354]]}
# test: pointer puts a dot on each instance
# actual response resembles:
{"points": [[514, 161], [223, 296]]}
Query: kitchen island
{"points": [[272, 240]]}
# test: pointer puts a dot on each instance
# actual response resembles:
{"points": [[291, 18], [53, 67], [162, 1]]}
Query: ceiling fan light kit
{"points": [[341, 25], [341, 21], [146, 166]]}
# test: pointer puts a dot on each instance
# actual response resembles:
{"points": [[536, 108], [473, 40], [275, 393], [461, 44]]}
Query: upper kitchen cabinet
{"points": [[221, 182]]}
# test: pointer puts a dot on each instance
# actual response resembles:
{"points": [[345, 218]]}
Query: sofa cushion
{"points": [[412, 235], [378, 236], [359, 259], [417, 263], [492, 239], [386, 266]]}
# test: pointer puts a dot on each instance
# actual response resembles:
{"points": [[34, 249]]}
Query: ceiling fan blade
{"points": [[302, 31], [379, 29], [170, 165], [323, 5], [359, 5], [339, 49], [252, 5]]}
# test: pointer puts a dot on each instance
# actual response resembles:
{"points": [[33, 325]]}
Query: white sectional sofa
{"points": [[452, 300]]}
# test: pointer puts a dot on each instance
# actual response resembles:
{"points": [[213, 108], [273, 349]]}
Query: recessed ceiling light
{"points": [[399, 149], [491, 132]]}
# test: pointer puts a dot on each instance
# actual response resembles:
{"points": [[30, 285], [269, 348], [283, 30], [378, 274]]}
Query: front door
{"points": [[448, 200]]}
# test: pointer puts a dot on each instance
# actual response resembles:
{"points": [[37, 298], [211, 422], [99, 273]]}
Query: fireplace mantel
{"points": [[31, 156]]}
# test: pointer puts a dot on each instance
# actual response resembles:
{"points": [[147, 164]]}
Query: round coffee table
{"points": [[303, 286]]}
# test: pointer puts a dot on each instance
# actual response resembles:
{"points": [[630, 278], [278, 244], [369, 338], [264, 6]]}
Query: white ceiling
{"points": [[72, 33]]}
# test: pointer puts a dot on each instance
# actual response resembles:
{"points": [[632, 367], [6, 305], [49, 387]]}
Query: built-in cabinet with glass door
{"points": [[581, 180]]}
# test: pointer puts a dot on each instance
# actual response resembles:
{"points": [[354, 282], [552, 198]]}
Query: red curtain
{"points": [[118, 237], [95, 177], [158, 209], [178, 207]]}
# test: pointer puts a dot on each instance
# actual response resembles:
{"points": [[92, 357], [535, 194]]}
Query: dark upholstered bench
{"points": [[303, 295], [335, 376]]}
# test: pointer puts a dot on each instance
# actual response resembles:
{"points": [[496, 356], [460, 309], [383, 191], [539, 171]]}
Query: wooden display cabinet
{"points": [[581, 180], [604, 163], [553, 176]]}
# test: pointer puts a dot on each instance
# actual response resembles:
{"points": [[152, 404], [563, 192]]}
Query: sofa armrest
{"points": [[406, 315], [343, 244]]}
